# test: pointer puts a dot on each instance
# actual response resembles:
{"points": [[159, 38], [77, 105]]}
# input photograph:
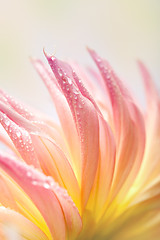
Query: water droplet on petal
{"points": [[29, 174], [60, 72], [18, 134], [75, 91], [34, 182], [46, 185], [69, 80]]}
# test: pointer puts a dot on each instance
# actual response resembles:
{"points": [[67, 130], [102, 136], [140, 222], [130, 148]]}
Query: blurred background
{"points": [[120, 30]]}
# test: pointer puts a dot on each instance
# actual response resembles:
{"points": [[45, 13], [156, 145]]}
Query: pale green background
{"points": [[119, 30]]}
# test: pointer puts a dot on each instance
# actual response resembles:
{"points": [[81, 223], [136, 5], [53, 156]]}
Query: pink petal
{"points": [[152, 121], [46, 195], [64, 113], [84, 91], [45, 124], [18, 107], [151, 91], [16, 225], [21, 139], [17, 118], [50, 157], [14, 198], [106, 159], [126, 118], [54, 163], [85, 117]]}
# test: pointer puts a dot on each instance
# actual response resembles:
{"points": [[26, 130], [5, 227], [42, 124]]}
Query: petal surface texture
{"points": [[92, 174], [53, 202]]}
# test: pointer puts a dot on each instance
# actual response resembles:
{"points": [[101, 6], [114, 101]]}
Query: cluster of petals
{"points": [[95, 174]]}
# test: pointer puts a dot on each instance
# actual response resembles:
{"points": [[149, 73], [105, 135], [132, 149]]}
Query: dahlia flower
{"points": [[96, 173]]}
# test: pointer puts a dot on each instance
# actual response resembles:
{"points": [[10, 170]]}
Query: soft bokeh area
{"points": [[120, 30]]}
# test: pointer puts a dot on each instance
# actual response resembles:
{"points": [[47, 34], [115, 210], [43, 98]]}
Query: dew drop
{"points": [[75, 91], [29, 174], [34, 182], [60, 72], [82, 140], [46, 185], [64, 81], [18, 134], [69, 80]]}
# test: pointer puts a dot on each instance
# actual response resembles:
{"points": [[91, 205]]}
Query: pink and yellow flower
{"points": [[96, 175]]}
